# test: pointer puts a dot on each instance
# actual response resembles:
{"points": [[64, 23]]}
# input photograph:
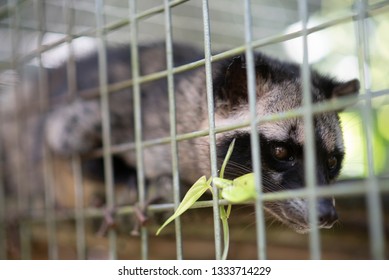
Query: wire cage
{"points": [[45, 198]]}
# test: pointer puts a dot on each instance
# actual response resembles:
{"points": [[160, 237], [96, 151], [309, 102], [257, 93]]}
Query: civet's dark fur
{"points": [[75, 127]]}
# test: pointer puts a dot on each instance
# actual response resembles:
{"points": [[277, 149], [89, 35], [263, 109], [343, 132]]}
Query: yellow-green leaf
{"points": [[222, 183], [226, 231], [241, 190], [227, 158], [193, 194]]}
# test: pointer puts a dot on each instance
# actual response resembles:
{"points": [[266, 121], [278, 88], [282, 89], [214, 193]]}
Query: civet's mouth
{"points": [[294, 213]]}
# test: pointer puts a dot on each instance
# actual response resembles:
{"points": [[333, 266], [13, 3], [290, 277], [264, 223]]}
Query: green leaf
{"points": [[193, 194], [226, 232], [222, 183], [224, 214], [242, 189], [227, 158]]}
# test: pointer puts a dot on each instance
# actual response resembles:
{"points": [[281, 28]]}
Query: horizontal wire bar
{"points": [[321, 107], [92, 31], [341, 189], [93, 93], [331, 105], [336, 104], [373, 9]]}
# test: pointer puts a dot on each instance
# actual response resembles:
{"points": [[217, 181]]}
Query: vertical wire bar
{"points": [[138, 120], [76, 161], [3, 206], [211, 122], [51, 227], [255, 150], [374, 204], [14, 33], [71, 64], [309, 150], [105, 114], [79, 207], [22, 194], [47, 159], [3, 224], [173, 126]]}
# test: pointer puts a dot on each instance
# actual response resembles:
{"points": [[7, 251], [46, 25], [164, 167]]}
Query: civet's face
{"points": [[282, 142]]}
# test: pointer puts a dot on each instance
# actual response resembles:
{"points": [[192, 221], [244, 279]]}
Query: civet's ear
{"points": [[346, 89], [235, 82], [234, 89]]}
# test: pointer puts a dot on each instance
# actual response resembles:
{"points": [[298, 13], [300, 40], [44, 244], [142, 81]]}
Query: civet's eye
{"points": [[282, 152], [332, 162]]}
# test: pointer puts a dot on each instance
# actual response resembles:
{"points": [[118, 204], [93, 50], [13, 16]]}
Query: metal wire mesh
{"points": [[138, 16]]}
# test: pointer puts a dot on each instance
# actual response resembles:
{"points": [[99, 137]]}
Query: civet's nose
{"points": [[327, 215]]}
